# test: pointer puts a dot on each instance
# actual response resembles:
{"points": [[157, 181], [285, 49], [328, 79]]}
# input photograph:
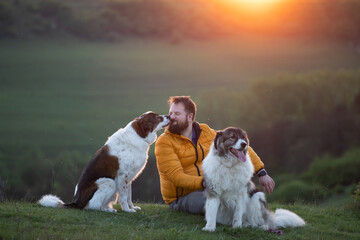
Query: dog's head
{"points": [[232, 142], [150, 122]]}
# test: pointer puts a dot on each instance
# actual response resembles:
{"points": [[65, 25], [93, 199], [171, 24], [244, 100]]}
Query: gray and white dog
{"points": [[232, 198]]}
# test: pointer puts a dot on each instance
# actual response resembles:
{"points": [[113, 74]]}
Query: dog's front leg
{"points": [[129, 200], [122, 186], [239, 212], [211, 209]]}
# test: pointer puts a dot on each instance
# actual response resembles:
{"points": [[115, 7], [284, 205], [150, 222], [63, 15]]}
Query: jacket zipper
{"points": [[197, 158], [202, 150]]}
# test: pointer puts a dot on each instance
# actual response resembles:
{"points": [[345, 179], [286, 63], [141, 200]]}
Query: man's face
{"points": [[180, 119]]}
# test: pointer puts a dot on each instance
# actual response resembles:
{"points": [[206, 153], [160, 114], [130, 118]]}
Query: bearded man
{"points": [[179, 153]]}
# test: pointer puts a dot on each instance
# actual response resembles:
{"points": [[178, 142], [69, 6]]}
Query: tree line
{"points": [[292, 118], [113, 20], [305, 127]]}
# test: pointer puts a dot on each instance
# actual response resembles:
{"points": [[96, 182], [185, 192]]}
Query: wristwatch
{"points": [[261, 173]]}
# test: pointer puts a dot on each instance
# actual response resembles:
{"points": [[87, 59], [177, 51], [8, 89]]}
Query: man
{"points": [[180, 151]]}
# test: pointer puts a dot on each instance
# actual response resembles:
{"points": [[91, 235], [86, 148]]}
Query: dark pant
{"points": [[193, 203]]}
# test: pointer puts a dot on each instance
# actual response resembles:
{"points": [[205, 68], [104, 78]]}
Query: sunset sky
{"points": [[256, 5]]}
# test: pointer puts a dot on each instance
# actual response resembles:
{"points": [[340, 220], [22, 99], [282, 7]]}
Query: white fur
{"points": [[105, 196], [132, 153], [51, 201], [285, 218], [229, 203]]}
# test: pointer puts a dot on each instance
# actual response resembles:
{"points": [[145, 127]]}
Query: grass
{"points": [[65, 97], [51, 91], [24, 220]]}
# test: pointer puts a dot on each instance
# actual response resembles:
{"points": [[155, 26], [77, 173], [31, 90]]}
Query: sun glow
{"points": [[261, 16], [255, 5]]}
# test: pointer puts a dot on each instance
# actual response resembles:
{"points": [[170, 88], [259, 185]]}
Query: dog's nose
{"points": [[243, 145], [168, 117]]}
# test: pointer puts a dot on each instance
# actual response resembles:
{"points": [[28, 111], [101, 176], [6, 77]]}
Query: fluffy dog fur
{"points": [[232, 198], [114, 166]]}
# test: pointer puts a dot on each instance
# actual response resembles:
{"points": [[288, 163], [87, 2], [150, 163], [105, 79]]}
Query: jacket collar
{"points": [[196, 127]]}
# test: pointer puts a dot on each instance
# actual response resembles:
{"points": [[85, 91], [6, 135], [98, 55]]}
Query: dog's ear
{"points": [[148, 127], [138, 128], [216, 139], [142, 127]]}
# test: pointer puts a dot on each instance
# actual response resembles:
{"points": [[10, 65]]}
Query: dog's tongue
{"points": [[241, 155]]}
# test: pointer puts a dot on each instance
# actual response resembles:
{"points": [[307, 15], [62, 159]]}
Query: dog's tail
{"points": [[285, 218], [51, 201]]}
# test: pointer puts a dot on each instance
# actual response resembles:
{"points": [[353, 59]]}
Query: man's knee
{"points": [[193, 203]]}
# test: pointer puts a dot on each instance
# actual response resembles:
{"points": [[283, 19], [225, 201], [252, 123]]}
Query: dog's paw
{"points": [[237, 224], [111, 210], [137, 208], [129, 210], [208, 229], [246, 225]]}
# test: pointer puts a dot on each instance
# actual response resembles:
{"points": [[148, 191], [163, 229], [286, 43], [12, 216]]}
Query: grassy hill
{"points": [[61, 99], [56, 90], [24, 220]]}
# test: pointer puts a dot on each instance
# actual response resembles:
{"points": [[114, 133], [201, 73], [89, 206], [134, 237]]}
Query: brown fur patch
{"points": [[102, 165], [146, 123], [251, 189]]}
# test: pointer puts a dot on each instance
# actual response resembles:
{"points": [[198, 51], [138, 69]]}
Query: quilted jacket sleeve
{"points": [[255, 159], [169, 164]]}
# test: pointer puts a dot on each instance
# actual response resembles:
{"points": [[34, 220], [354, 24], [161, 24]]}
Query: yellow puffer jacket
{"points": [[179, 162]]}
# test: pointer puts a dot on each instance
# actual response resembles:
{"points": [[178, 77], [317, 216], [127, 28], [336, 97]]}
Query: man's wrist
{"points": [[261, 173]]}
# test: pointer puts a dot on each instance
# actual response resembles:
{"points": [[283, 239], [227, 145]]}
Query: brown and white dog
{"points": [[114, 166], [232, 198]]}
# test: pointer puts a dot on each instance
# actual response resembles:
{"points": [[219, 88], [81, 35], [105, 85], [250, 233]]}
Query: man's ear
{"points": [[190, 117], [216, 139]]}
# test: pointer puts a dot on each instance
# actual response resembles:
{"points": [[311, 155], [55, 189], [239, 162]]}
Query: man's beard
{"points": [[178, 128]]}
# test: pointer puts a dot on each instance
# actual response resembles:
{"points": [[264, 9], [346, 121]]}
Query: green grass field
{"points": [[53, 91], [24, 220], [61, 99]]}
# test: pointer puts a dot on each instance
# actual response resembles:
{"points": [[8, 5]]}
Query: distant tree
{"points": [[59, 14], [7, 22], [1, 190], [292, 118]]}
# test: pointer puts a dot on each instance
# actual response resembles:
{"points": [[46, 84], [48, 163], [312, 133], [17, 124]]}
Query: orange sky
{"points": [[255, 6], [258, 15]]}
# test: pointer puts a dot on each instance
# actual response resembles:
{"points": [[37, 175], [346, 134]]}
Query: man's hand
{"points": [[267, 183]]}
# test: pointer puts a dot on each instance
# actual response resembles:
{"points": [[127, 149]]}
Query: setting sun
{"points": [[256, 2], [256, 5]]}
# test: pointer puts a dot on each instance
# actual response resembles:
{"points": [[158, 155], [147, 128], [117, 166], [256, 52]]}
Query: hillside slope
{"points": [[24, 220]]}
